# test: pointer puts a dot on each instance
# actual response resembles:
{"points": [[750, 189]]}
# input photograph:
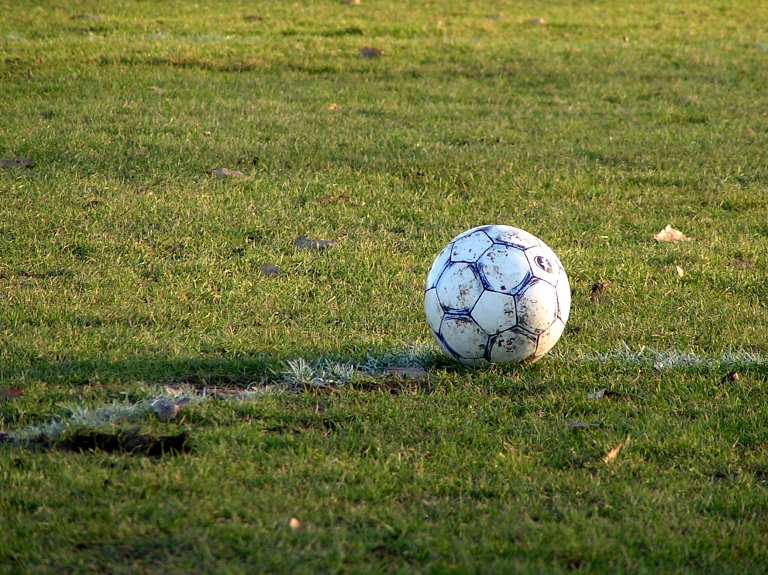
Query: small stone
{"points": [[227, 173], [304, 243], [17, 162], [165, 409], [269, 270], [370, 52]]}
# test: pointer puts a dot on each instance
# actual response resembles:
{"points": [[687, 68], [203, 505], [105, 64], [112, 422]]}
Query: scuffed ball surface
{"points": [[496, 294]]}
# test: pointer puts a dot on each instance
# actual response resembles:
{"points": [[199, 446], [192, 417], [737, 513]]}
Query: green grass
{"points": [[126, 268]]}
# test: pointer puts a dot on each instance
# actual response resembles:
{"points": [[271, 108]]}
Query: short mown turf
{"points": [[130, 271]]}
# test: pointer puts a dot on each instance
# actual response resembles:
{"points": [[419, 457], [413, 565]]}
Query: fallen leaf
{"points": [[333, 106], [156, 90], [415, 373], [351, 2], [11, 392], [626, 39], [537, 22], [370, 52], [17, 162], [227, 173], [680, 272], [304, 243], [732, 376], [207, 133], [295, 524], [581, 425], [670, 234], [741, 263], [269, 270], [613, 453], [252, 17]]}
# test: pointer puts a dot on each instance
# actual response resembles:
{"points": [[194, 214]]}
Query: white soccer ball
{"points": [[496, 294]]}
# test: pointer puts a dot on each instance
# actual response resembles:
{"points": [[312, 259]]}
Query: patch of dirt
{"points": [[130, 441]]}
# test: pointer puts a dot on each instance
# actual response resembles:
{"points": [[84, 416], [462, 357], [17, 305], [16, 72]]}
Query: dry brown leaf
{"points": [[227, 173], [680, 272], [537, 22], [613, 453], [670, 234], [295, 524], [351, 2], [370, 52], [207, 133], [11, 392], [17, 162], [732, 377], [741, 263], [333, 106]]}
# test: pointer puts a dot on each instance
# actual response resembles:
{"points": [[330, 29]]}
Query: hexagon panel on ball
{"points": [[459, 287], [469, 248], [464, 337], [504, 268]]}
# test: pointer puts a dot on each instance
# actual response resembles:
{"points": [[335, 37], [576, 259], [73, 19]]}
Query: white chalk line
{"points": [[302, 374]]}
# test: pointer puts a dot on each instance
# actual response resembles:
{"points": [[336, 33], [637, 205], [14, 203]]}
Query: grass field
{"points": [[130, 283]]}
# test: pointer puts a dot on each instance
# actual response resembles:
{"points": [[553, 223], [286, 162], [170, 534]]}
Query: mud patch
{"points": [[131, 441]]}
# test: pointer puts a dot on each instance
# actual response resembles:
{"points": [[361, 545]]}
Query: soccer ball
{"points": [[496, 294]]}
